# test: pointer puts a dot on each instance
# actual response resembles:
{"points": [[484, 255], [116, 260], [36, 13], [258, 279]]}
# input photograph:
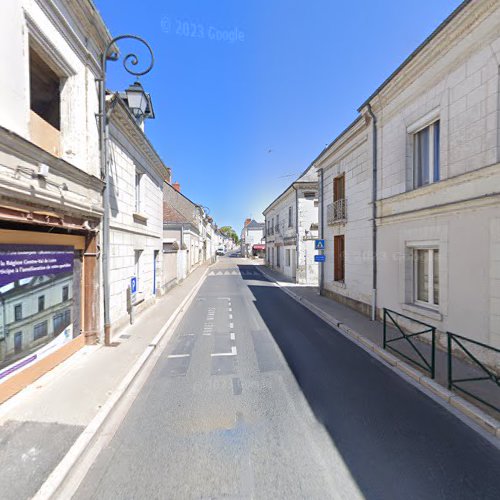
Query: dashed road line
{"points": [[233, 337], [231, 325], [232, 353], [178, 355]]}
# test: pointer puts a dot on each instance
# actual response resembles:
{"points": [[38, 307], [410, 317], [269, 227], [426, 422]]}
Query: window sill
{"points": [[425, 312], [140, 218]]}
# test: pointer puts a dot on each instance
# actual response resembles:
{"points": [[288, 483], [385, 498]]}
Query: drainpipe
{"points": [[374, 213], [297, 236], [105, 218], [321, 228]]}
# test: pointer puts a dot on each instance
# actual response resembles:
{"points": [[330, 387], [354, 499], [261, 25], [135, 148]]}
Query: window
{"points": [[290, 217], [65, 293], [288, 257], [338, 257], [138, 177], [18, 312], [272, 225], [41, 303], [40, 330], [426, 276], [339, 188], [61, 321], [137, 267], [426, 155], [45, 91], [278, 257]]}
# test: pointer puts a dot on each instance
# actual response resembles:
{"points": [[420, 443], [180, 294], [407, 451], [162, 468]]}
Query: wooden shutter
{"points": [[339, 264], [339, 188]]}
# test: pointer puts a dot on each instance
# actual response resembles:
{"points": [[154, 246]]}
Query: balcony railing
{"points": [[336, 211]]}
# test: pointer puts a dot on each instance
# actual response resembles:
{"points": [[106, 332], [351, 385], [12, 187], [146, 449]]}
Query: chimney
{"points": [[176, 186], [247, 221]]}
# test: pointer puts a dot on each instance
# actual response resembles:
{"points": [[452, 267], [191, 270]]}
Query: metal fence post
{"points": [[449, 362], [385, 326], [433, 354]]}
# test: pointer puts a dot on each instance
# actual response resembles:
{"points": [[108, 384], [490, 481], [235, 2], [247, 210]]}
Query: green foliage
{"points": [[230, 233]]}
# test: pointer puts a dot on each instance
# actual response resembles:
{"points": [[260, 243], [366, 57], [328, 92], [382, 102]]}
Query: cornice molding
{"points": [[13, 144], [124, 121]]}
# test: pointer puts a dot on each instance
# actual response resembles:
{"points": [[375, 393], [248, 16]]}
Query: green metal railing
{"points": [[489, 375], [421, 361]]}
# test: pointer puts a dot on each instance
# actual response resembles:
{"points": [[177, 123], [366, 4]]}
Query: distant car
{"points": [[220, 251]]}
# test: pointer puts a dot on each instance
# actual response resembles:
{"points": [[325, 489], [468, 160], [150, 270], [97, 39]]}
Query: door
{"points": [[18, 342]]}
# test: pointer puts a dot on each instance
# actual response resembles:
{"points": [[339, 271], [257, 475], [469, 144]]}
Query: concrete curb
{"points": [[422, 382], [61, 471]]}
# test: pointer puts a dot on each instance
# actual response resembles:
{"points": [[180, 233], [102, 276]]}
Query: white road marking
{"points": [[230, 316], [224, 298], [232, 353], [232, 336], [230, 309], [178, 355], [206, 334], [231, 325]]}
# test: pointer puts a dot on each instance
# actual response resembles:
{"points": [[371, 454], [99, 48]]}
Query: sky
{"points": [[247, 93]]}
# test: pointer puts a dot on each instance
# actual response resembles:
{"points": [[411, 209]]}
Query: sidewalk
{"points": [[370, 333], [40, 424]]}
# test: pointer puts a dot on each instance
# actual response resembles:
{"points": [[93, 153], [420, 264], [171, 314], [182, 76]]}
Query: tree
{"points": [[230, 233]]}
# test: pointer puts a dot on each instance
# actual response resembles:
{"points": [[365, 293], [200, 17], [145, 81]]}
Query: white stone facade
{"points": [[348, 156], [252, 234], [136, 226], [291, 225]]}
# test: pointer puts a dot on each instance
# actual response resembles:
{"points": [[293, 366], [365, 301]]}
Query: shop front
{"points": [[48, 298]]}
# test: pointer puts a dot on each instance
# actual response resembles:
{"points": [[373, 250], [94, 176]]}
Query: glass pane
{"points": [[422, 157], [435, 264], [422, 274], [436, 151]]}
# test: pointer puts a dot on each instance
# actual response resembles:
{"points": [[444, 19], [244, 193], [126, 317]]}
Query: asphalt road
{"points": [[256, 397]]}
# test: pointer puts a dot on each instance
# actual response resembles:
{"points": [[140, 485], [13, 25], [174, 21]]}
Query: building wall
{"points": [[307, 270], [459, 215], [350, 157], [133, 231]]}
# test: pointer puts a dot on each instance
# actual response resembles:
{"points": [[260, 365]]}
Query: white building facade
{"points": [[345, 172], [291, 225], [251, 234], [136, 225]]}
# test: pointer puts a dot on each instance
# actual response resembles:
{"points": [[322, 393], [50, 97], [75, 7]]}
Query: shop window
{"points": [[338, 257], [45, 91], [18, 312], [41, 303], [40, 330], [426, 155]]}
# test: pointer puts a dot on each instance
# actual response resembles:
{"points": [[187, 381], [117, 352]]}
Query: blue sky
{"points": [[238, 118]]}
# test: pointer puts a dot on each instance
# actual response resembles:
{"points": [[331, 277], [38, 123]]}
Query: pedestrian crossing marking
{"points": [[233, 273]]}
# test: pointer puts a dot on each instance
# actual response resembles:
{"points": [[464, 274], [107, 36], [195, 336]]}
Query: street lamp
{"points": [[139, 103], [137, 99]]}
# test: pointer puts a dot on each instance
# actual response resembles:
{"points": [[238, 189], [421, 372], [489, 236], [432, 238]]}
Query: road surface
{"points": [[256, 397]]}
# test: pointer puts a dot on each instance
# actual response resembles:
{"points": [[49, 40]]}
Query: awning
{"points": [[259, 247]]}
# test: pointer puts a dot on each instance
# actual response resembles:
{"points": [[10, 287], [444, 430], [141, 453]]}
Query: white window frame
{"points": [[430, 247], [432, 165]]}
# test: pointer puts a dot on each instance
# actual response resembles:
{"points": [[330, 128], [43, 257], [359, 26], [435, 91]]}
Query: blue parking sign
{"points": [[319, 244], [133, 285]]}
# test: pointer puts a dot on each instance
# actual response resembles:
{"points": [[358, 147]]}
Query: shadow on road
{"points": [[396, 442]]}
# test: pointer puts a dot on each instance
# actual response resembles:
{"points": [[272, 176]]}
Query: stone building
{"points": [[344, 169], [251, 234], [50, 178], [291, 226], [136, 223], [418, 231]]}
